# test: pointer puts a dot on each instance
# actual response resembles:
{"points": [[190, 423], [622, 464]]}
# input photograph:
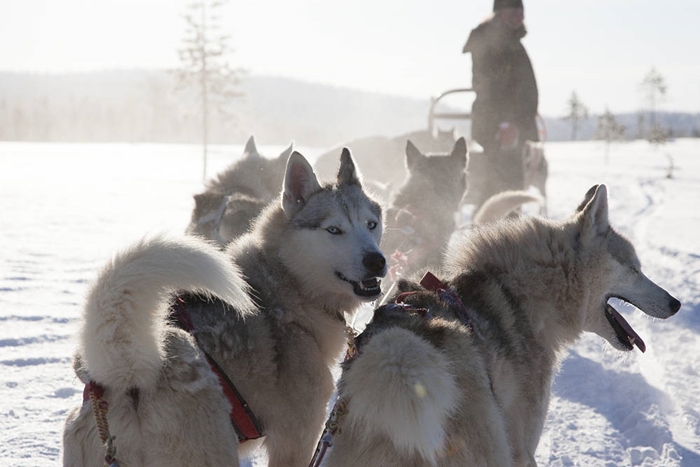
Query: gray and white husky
{"points": [[380, 158], [235, 197], [447, 385], [273, 318], [421, 216]]}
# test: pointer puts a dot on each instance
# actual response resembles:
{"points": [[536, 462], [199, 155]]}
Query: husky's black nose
{"points": [[374, 262]]}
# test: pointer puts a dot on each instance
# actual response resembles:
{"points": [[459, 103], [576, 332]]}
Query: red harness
{"points": [[242, 418]]}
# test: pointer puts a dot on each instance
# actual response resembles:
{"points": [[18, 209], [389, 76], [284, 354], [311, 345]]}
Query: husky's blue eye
{"points": [[333, 230], [371, 225]]}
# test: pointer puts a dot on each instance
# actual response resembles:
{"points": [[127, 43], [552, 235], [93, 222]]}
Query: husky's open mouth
{"points": [[366, 288], [625, 334]]}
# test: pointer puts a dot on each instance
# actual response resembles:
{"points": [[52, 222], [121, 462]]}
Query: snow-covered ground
{"points": [[66, 208]]}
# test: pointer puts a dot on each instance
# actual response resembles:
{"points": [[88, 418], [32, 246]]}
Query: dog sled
{"points": [[518, 168]]}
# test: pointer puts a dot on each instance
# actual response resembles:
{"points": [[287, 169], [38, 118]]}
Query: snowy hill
{"points": [[66, 208], [142, 106]]}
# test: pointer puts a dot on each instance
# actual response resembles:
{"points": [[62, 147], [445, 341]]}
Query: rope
{"points": [[340, 408], [100, 407], [331, 429]]}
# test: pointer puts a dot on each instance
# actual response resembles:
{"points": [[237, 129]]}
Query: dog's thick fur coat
{"points": [[419, 394], [234, 198], [531, 287], [421, 217], [307, 261], [126, 345], [380, 158]]}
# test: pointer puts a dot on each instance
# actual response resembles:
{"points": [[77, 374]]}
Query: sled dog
{"points": [[502, 204], [307, 261], [516, 169], [380, 158], [231, 200], [427, 391], [421, 217]]}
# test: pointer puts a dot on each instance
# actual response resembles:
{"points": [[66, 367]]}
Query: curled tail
{"points": [[124, 316], [500, 205], [402, 387]]}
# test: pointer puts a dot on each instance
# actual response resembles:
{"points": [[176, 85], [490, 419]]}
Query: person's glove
{"points": [[507, 135]]}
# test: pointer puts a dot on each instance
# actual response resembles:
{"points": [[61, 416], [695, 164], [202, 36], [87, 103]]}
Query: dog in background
{"points": [[421, 217], [511, 169], [231, 200], [381, 159]]}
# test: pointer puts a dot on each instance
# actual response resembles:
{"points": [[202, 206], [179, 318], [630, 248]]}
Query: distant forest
{"points": [[142, 106]]}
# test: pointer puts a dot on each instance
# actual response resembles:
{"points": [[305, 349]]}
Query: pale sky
{"points": [[601, 49]]}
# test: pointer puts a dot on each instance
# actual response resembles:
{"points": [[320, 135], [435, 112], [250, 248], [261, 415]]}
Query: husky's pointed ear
{"points": [[300, 183], [587, 198], [594, 211], [287, 152], [413, 155], [250, 147], [460, 151], [348, 174]]}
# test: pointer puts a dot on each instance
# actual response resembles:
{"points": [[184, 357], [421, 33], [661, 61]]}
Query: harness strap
{"points": [[242, 418], [340, 407], [93, 391], [216, 217], [432, 283], [412, 246]]}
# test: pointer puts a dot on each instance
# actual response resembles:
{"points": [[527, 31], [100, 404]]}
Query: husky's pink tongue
{"points": [[632, 336]]}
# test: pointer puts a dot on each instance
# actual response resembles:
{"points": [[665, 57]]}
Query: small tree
{"points": [[609, 130], [205, 67], [641, 125], [654, 89], [577, 112]]}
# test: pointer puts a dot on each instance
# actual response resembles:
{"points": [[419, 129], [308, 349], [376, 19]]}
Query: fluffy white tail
{"points": [[500, 205], [402, 387], [124, 315]]}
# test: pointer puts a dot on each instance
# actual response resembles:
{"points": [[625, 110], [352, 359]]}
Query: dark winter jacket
{"points": [[504, 81]]}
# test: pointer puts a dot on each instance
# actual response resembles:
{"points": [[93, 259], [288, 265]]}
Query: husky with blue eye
{"points": [[270, 311]]}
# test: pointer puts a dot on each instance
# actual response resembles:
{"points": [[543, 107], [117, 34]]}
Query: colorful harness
{"points": [[243, 420], [431, 283]]}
